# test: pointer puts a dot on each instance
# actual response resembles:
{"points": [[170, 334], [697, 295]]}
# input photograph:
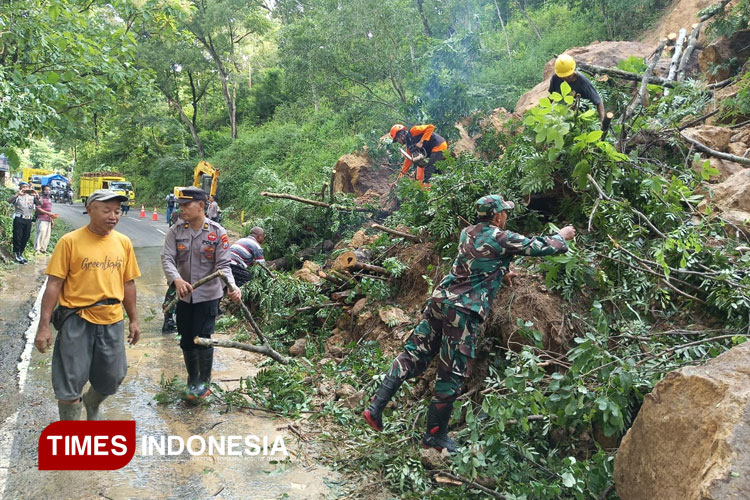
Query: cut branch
{"points": [[318, 203], [688, 51], [644, 82], [264, 349], [400, 234], [625, 75], [718, 154], [640, 214]]}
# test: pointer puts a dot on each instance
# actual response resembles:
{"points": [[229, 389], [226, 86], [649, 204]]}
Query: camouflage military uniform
{"points": [[454, 311], [462, 301]]}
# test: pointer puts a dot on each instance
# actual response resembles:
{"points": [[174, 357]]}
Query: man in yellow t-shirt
{"points": [[92, 270]]}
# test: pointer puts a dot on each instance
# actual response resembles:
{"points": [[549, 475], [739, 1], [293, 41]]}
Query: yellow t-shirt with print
{"points": [[94, 268]]}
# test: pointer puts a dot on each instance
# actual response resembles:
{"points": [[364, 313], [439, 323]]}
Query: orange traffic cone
{"points": [[143, 211], [156, 215]]}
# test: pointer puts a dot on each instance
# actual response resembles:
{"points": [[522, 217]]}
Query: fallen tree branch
{"points": [[319, 306], [699, 119], [370, 268], [400, 234], [264, 349], [604, 195], [319, 203], [470, 483], [718, 154], [676, 56], [692, 41], [624, 75], [644, 82], [670, 350]]}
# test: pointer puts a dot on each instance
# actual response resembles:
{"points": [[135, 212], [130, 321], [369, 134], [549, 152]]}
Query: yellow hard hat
{"points": [[564, 65]]}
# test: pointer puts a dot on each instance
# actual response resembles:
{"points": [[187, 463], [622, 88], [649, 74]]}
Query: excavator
{"points": [[206, 177]]}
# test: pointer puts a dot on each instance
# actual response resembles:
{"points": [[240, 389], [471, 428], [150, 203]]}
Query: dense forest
{"points": [[274, 92]]}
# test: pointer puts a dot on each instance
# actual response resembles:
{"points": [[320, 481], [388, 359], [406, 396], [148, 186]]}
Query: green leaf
{"points": [[565, 88], [53, 77], [568, 480], [594, 136]]}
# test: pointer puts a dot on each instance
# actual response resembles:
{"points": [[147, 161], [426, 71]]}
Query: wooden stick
{"points": [[606, 124], [319, 306], [624, 75], [400, 234], [318, 203], [264, 349], [370, 268], [713, 152], [699, 119], [195, 285], [470, 483], [245, 311]]}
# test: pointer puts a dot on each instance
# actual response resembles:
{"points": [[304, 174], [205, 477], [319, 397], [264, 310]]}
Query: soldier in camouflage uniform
{"points": [[456, 309]]}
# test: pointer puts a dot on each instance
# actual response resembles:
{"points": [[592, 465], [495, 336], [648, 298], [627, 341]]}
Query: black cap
{"points": [[188, 194]]}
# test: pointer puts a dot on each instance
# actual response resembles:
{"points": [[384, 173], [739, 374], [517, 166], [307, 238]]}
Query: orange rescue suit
{"points": [[431, 142]]}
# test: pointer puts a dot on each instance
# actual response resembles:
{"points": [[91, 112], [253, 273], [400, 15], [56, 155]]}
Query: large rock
{"points": [[356, 174], [691, 439], [713, 60], [726, 168], [712, 136], [606, 54]]}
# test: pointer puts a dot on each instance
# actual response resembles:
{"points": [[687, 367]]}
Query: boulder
{"points": [[713, 60], [741, 135], [737, 148], [733, 193], [466, 143], [360, 239], [309, 272], [606, 54], [714, 137], [726, 168], [356, 174], [298, 348], [690, 438], [393, 316]]}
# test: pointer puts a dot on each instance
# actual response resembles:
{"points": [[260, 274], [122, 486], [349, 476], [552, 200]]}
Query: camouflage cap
{"points": [[491, 204]]}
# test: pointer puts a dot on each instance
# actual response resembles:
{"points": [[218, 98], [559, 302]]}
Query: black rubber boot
{"points": [[193, 370], [169, 325], [374, 414], [206, 357], [438, 418]]}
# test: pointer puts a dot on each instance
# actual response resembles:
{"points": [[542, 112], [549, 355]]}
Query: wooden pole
{"points": [[195, 285]]}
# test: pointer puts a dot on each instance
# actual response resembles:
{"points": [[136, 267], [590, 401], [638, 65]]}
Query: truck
{"points": [[115, 181], [206, 177], [34, 176]]}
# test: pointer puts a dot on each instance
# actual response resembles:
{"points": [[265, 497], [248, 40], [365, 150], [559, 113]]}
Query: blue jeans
{"points": [[169, 214]]}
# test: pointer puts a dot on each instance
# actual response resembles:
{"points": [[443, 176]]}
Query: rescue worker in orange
{"points": [[424, 137]]}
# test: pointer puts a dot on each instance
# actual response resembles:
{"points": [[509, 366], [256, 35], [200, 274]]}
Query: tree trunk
{"points": [[426, 25], [176, 105], [505, 32], [526, 15]]}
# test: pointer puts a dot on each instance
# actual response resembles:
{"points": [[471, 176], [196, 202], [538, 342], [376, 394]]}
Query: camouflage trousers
{"points": [[446, 331], [168, 297]]}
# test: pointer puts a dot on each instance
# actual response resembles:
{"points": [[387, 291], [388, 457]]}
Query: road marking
{"points": [[6, 431], [162, 232]]}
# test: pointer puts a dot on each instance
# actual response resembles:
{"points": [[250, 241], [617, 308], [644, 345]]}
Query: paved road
{"points": [[143, 232]]}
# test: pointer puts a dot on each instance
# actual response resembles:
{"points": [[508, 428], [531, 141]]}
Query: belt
{"points": [[21, 216]]}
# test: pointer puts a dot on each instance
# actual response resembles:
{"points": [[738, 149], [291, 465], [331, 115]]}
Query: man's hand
{"points": [[43, 338], [234, 294], [509, 277], [134, 333], [419, 144], [568, 232], [183, 288]]}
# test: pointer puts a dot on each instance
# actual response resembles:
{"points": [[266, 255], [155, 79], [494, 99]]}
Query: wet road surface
{"points": [[27, 405]]}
